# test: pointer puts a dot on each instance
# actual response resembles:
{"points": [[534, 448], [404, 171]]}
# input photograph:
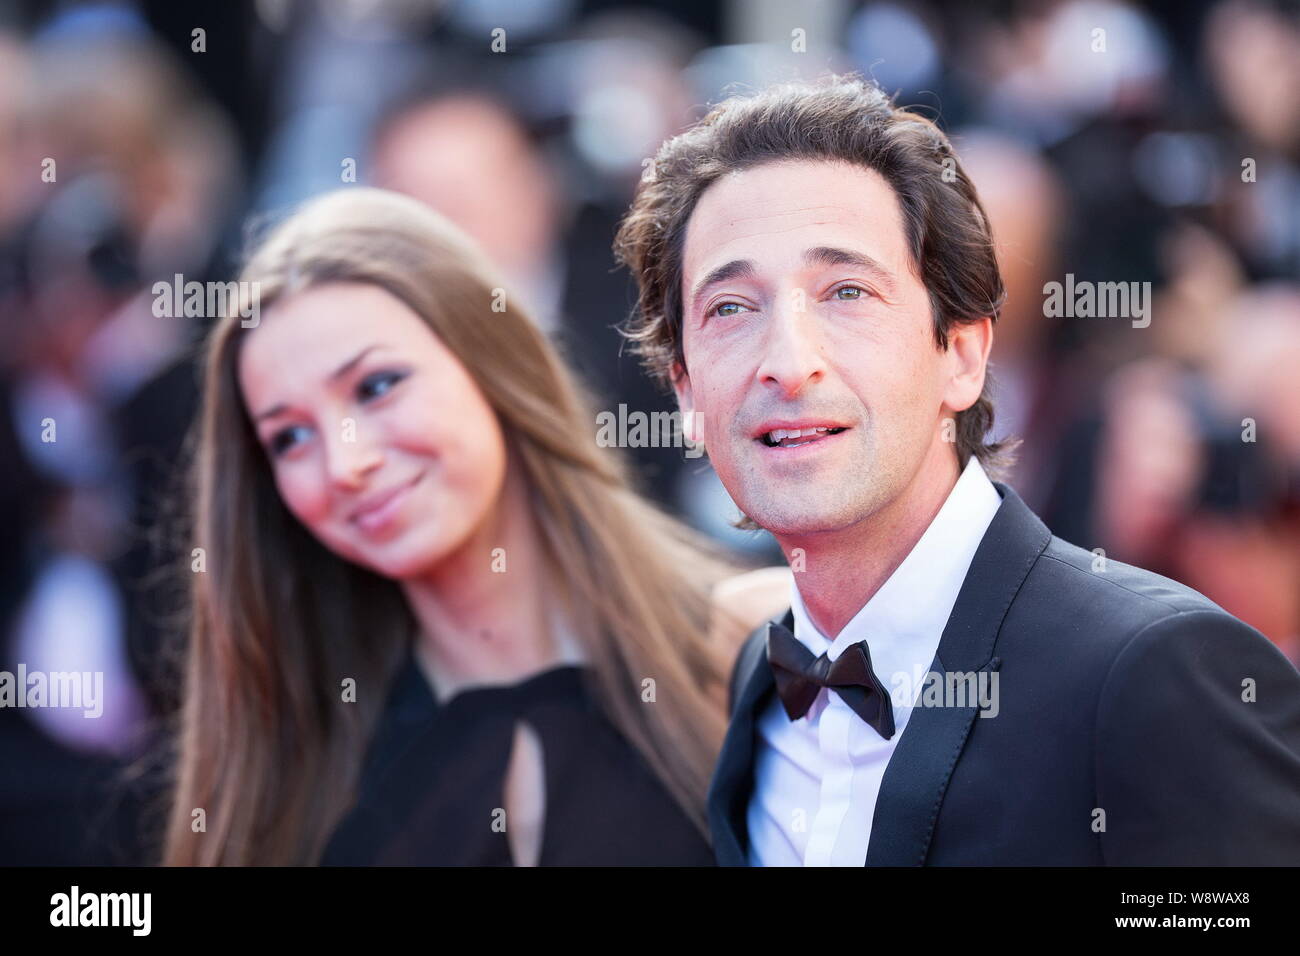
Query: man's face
{"points": [[802, 310]]}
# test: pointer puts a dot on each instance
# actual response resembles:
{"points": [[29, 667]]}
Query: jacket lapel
{"points": [[922, 763], [733, 778]]}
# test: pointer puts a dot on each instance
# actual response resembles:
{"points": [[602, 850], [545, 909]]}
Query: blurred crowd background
{"points": [[1170, 156]]}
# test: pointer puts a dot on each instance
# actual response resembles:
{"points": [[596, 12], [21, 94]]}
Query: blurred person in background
{"points": [[1242, 545], [467, 155], [1032, 384], [1251, 50], [126, 173]]}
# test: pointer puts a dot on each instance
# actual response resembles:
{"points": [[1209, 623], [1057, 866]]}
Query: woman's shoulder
{"points": [[745, 601]]}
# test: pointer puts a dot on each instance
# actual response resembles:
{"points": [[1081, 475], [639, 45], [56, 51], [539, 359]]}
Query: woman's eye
{"points": [[849, 292], [373, 386], [725, 309], [285, 439]]}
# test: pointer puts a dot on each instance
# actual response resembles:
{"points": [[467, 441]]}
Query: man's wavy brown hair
{"points": [[841, 119]]}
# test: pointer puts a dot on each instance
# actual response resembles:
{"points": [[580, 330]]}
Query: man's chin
{"points": [[784, 522]]}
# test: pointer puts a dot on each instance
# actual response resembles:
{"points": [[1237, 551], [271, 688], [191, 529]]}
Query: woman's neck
{"points": [[482, 612]]}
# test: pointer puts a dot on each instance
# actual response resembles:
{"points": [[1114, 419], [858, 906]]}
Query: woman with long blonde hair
{"points": [[434, 624]]}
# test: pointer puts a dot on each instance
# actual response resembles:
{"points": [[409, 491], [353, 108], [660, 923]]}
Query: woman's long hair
{"points": [[266, 749]]}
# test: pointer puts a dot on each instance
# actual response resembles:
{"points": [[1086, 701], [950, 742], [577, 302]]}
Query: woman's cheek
{"points": [[303, 496], [412, 422]]}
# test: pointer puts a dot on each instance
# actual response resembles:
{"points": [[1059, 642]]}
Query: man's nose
{"points": [[792, 347], [350, 455]]}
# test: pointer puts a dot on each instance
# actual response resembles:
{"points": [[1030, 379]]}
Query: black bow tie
{"points": [[800, 677]]}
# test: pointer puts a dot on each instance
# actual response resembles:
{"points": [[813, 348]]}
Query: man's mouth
{"points": [[794, 437]]}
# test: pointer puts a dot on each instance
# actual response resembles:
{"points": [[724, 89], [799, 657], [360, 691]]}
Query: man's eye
{"points": [[373, 386], [850, 292], [285, 439], [724, 309]]}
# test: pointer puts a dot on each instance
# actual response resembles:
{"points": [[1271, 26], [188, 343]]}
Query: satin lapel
{"points": [[733, 779], [917, 776]]}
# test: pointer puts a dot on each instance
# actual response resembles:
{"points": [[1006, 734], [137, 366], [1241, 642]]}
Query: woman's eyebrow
{"points": [[347, 366], [334, 376]]}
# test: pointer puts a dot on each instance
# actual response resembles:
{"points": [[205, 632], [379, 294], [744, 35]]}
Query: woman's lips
{"points": [[377, 513]]}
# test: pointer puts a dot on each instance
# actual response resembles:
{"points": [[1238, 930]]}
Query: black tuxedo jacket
{"points": [[1138, 724]]}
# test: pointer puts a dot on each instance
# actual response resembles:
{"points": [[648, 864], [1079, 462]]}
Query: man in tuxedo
{"points": [[952, 684]]}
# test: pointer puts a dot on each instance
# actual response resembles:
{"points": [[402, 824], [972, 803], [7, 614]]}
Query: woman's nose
{"points": [[350, 455]]}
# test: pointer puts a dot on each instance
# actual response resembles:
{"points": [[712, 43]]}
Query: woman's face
{"points": [[380, 442]]}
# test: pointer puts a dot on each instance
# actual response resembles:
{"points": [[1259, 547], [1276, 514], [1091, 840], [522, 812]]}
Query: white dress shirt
{"points": [[816, 778]]}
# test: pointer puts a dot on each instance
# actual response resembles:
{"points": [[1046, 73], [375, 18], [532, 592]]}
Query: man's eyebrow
{"points": [[735, 269], [831, 256], [334, 376]]}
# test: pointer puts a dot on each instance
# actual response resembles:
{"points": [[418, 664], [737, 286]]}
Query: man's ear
{"points": [[686, 403], [969, 344]]}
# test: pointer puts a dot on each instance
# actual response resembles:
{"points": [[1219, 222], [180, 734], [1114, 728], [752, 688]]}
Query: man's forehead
{"points": [[806, 203]]}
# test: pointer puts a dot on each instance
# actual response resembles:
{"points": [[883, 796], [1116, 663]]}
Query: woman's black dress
{"points": [[432, 784]]}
